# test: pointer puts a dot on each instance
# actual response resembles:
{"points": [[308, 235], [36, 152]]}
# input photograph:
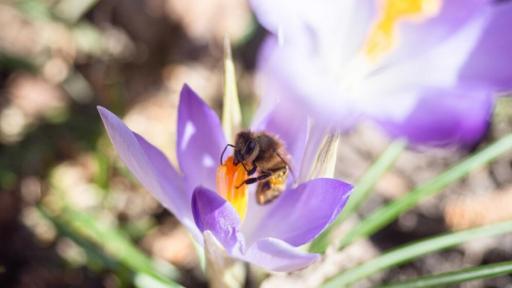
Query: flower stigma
{"points": [[382, 36], [229, 179]]}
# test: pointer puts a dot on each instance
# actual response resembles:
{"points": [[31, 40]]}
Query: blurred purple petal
{"points": [[394, 92], [213, 213], [151, 168], [290, 127], [271, 13], [302, 81], [469, 36], [276, 255], [309, 23], [390, 92], [418, 37], [200, 140], [490, 61], [444, 117], [300, 214]]}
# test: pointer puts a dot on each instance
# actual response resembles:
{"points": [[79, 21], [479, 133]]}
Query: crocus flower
{"points": [[268, 235], [426, 70]]}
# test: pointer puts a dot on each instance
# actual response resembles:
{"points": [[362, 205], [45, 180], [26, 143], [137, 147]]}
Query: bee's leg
{"points": [[253, 169], [249, 171], [264, 175]]}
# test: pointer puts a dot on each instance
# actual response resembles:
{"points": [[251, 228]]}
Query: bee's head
{"points": [[246, 148]]}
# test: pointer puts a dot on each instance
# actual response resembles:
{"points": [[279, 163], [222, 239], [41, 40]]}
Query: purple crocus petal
{"points": [[418, 37], [310, 22], [446, 116], [277, 255], [271, 13], [151, 168], [200, 140], [300, 80], [303, 212], [489, 62], [213, 213], [306, 69], [401, 83]]}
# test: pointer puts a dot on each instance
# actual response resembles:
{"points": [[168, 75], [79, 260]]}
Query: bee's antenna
{"points": [[287, 165], [223, 151]]}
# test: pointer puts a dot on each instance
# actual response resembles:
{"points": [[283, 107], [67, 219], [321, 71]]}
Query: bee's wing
{"points": [[288, 166]]}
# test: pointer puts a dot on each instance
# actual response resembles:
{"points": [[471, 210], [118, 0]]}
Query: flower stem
{"points": [[222, 270]]}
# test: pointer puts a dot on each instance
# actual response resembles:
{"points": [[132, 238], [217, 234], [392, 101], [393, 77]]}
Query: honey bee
{"points": [[263, 155]]}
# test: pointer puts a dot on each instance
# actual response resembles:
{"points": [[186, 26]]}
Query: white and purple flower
{"points": [[427, 70], [269, 235]]}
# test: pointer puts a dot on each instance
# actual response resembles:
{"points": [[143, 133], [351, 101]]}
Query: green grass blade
{"points": [[454, 277], [387, 214], [411, 251], [92, 251], [361, 192], [116, 244]]}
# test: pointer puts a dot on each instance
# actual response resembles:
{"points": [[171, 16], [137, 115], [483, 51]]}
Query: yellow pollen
{"points": [[229, 177], [382, 37]]}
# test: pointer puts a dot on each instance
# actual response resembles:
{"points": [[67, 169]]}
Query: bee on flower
{"points": [[263, 224]]}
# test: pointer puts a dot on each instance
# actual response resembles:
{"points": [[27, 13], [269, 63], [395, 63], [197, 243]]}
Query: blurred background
{"points": [[71, 215]]}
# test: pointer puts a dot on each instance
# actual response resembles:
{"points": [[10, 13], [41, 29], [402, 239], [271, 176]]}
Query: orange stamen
{"points": [[229, 177]]}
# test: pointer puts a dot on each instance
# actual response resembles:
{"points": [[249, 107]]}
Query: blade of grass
{"points": [[96, 259], [387, 214], [92, 251], [411, 251], [116, 245], [361, 192], [11, 62], [459, 276]]}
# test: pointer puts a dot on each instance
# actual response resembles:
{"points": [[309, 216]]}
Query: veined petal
{"points": [[200, 140], [489, 62], [277, 255], [300, 214], [151, 168], [213, 213], [445, 116]]}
